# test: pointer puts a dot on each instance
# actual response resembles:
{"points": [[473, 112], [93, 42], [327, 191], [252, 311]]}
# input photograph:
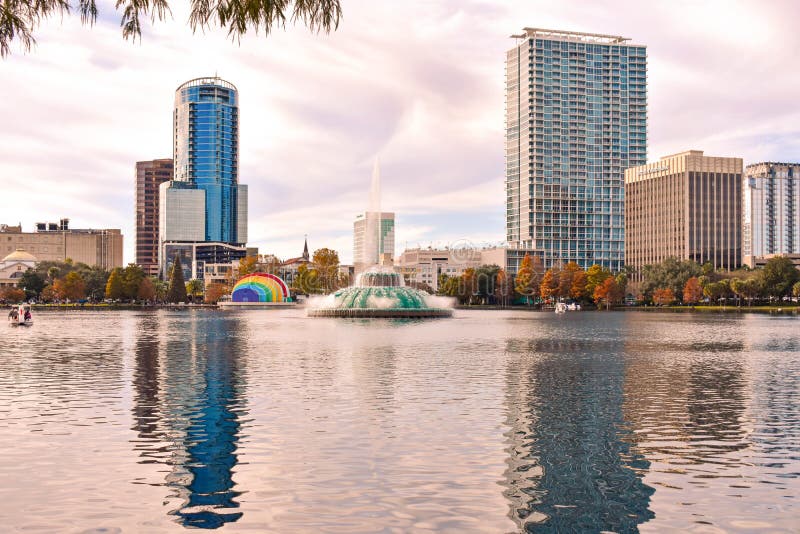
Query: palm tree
{"points": [[19, 18]]}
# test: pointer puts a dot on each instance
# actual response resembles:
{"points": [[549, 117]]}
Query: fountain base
{"points": [[381, 313]]}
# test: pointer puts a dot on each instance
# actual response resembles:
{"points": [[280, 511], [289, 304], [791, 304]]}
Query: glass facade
{"points": [[576, 118], [206, 152]]}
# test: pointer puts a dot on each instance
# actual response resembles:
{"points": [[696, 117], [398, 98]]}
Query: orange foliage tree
{"points": [[663, 297], [70, 287], [549, 286], [215, 291], [608, 292], [692, 292]]}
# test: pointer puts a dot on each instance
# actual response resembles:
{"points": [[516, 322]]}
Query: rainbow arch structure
{"points": [[260, 287]]}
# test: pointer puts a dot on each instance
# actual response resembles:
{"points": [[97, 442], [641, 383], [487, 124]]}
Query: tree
{"points": [[114, 289], [485, 278], [692, 292], [670, 273], [32, 283], [747, 289], [566, 280], [607, 292], [326, 268], [147, 290], [71, 287], [20, 18], [526, 281], [549, 285], [161, 289], [215, 291], [663, 296], [247, 265], [503, 289], [12, 295], [132, 276], [177, 287], [96, 279], [595, 275], [48, 294], [194, 288], [716, 290], [796, 289], [778, 276]]}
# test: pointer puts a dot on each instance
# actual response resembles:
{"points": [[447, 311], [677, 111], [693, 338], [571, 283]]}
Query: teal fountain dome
{"points": [[380, 292]]}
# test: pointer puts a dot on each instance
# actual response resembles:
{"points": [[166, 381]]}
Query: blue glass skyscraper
{"points": [[206, 154], [576, 118]]}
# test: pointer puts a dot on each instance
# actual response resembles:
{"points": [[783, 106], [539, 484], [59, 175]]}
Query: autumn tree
{"points": [[71, 287], [19, 19], [326, 268], [177, 286], [525, 282], [692, 292], [607, 293], [214, 292], [549, 286], [12, 295], [114, 289], [663, 296], [147, 290], [595, 275], [566, 279]]}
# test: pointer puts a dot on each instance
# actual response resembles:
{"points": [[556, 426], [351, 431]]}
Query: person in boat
{"points": [[27, 314], [13, 314]]}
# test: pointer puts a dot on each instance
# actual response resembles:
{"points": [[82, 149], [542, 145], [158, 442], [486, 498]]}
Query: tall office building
{"points": [[771, 210], [149, 176], [576, 118], [206, 170], [686, 206], [207, 153], [373, 240]]}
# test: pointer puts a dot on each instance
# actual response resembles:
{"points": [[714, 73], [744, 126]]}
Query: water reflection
{"points": [[187, 412], [571, 465]]}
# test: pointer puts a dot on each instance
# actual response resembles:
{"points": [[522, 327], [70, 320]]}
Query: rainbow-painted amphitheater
{"points": [[261, 288]]}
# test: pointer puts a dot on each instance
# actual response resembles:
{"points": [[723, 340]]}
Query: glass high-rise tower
{"points": [[576, 118], [203, 210], [206, 154]]}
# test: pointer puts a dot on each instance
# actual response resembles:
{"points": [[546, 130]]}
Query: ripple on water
{"points": [[490, 421]]}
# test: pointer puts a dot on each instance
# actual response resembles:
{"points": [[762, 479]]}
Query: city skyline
{"points": [[437, 122]]}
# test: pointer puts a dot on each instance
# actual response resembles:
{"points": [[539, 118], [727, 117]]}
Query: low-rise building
{"points": [[14, 265], [57, 242], [426, 265]]}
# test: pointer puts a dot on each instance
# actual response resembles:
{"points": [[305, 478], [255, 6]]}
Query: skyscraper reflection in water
{"points": [[571, 464], [187, 410]]}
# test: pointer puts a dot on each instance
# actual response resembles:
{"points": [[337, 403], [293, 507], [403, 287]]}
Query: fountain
{"points": [[379, 291]]}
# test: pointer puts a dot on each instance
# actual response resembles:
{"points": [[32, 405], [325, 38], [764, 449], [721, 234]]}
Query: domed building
{"points": [[13, 266]]}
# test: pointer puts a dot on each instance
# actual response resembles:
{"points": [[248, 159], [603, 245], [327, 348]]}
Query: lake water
{"points": [[491, 421]]}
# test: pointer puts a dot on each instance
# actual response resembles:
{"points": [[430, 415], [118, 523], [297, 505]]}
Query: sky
{"points": [[418, 84]]}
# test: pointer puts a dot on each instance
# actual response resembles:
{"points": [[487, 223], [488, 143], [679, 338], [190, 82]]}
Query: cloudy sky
{"points": [[418, 83]]}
